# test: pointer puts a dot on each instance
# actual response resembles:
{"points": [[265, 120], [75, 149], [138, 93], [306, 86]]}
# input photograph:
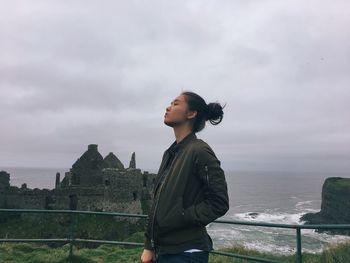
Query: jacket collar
{"points": [[171, 152], [175, 147]]}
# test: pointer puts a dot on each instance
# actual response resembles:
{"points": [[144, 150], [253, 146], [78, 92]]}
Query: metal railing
{"points": [[72, 239], [298, 229]]}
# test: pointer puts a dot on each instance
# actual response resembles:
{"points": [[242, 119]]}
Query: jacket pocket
{"points": [[174, 218]]}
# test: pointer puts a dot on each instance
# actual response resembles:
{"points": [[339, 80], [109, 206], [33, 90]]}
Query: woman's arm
{"points": [[148, 256], [216, 202]]}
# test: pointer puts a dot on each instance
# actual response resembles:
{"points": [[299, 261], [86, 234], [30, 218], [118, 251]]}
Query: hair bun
{"points": [[215, 113]]}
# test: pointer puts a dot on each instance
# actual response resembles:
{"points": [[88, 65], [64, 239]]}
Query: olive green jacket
{"points": [[193, 194]]}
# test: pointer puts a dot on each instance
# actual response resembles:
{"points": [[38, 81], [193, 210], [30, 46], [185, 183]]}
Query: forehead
{"points": [[180, 98]]}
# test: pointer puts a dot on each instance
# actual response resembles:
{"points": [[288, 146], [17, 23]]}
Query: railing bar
{"points": [[108, 242], [337, 226], [325, 226], [76, 240], [71, 212], [35, 240], [244, 257], [255, 224]]}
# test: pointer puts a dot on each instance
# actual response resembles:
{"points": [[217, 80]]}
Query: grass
{"points": [[86, 226], [338, 183], [333, 254], [34, 253]]}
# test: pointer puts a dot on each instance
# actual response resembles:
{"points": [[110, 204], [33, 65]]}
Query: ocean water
{"points": [[273, 197], [34, 177], [267, 196]]}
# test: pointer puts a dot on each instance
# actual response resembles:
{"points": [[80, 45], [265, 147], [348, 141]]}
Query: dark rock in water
{"points": [[253, 215], [335, 207]]}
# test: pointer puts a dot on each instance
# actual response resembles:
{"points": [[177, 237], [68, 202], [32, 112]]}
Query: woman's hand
{"points": [[148, 256]]}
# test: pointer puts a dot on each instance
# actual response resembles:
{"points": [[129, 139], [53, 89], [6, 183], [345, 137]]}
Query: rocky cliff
{"points": [[335, 207]]}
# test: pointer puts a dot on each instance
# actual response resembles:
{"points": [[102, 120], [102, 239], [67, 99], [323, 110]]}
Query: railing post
{"points": [[299, 255], [71, 234]]}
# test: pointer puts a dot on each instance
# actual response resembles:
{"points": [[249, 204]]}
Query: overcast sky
{"points": [[74, 73]]}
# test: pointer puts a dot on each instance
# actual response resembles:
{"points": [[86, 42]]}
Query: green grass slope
{"points": [[33, 253]]}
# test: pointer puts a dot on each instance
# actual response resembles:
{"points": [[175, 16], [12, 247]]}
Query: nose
{"points": [[168, 108]]}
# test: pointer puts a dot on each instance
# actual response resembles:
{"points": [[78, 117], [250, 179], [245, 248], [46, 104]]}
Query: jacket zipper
{"points": [[154, 215], [206, 174], [156, 204]]}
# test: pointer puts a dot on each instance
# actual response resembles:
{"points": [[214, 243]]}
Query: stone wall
{"points": [[123, 191], [26, 198], [122, 185], [78, 198]]}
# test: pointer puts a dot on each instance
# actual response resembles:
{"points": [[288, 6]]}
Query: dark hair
{"points": [[212, 112]]}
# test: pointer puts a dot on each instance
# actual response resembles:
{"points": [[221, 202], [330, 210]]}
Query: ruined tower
{"points": [[87, 170], [111, 161], [4, 186], [57, 183], [4, 180], [132, 161]]}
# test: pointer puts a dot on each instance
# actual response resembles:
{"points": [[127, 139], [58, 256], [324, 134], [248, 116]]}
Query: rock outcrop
{"points": [[335, 207]]}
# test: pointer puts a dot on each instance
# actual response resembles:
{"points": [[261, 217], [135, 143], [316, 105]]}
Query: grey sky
{"points": [[79, 72]]}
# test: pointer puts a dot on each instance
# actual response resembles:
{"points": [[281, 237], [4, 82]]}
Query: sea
{"points": [[280, 197]]}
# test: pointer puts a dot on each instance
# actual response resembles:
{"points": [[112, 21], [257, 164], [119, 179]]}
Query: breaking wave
{"points": [[272, 239]]}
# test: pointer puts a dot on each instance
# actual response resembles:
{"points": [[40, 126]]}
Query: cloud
{"points": [[77, 73]]}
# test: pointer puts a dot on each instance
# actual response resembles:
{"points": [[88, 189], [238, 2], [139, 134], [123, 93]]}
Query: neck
{"points": [[181, 132]]}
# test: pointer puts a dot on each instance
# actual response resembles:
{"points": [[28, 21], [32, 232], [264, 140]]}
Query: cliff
{"points": [[335, 207]]}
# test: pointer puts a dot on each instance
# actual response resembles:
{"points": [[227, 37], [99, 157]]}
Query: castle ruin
{"points": [[93, 183]]}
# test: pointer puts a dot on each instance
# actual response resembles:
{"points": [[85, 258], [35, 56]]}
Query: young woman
{"points": [[190, 189]]}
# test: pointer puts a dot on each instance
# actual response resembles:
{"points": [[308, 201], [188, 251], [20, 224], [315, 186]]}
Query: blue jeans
{"points": [[185, 257]]}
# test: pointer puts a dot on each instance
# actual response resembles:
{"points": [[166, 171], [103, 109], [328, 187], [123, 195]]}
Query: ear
{"points": [[191, 114]]}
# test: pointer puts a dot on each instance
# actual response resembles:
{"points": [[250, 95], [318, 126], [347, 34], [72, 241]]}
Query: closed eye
{"points": [[175, 102]]}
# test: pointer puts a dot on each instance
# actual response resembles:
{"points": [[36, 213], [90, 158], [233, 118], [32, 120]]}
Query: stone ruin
{"points": [[93, 183]]}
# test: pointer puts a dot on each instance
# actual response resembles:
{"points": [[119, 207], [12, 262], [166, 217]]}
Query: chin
{"points": [[167, 123]]}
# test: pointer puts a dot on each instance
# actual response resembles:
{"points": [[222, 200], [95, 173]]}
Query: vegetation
{"points": [[58, 226], [109, 228], [33, 253], [145, 206], [341, 183], [333, 254]]}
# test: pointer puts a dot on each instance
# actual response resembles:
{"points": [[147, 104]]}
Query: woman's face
{"points": [[177, 113]]}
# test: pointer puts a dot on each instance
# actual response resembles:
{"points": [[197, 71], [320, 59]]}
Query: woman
{"points": [[190, 189]]}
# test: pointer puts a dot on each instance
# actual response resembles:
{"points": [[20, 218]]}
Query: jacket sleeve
{"points": [[215, 203], [147, 240]]}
